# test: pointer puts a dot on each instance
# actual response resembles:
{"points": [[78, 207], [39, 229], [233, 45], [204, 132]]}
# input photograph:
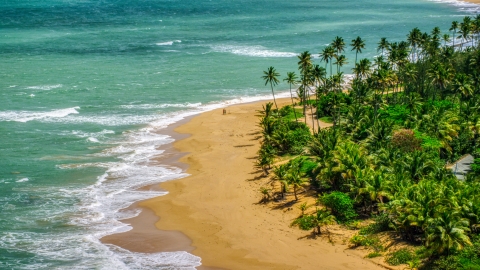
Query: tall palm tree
{"points": [[441, 76], [446, 38], [271, 76], [327, 55], [292, 79], [465, 30], [414, 38], [454, 28], [305, 67], [357, 44], [338, 44]]}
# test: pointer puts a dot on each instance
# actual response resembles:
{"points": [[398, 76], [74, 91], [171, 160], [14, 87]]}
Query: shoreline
{"points": [[217, 209], [472, 1]]}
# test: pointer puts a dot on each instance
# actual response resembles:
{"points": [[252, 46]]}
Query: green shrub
{"points": [[362, 240], [340, 204], [373, 255], [401, 256], [325, 105], [367, 241], [326, 119], [382, 224], [397, 113], [427, 141]]}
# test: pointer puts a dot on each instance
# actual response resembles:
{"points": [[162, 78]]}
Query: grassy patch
{"points": [[401, 256], [326, 119], [373, 255]]}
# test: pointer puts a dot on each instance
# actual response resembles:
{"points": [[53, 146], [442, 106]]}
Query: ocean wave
{"points": [[44, 87], [462, 5], [168, 43], [96, 210], [161, 106], [254, 51], [25, 116]]}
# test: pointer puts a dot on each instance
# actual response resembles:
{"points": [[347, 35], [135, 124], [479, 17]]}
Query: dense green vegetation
{"points": [[405, 116]]}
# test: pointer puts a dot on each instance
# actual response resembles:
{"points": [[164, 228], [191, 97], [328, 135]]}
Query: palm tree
{"points": [[447, 232], [363, 69], [383, 45], [341, 60], [357, 44], [446, 38], [465, 30], [292, 79], [266, 194], [322, 218], [454, 28], [314, 221], [440, 75], [295, 177], [271, 76], [305, 67], [280, 173], [327, 55], [338, 44], [462, 85], [414, 38]]}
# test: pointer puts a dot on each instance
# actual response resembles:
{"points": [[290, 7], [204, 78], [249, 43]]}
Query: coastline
{"points": [[217, 208]]}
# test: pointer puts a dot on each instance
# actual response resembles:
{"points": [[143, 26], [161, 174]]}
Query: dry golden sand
{"points": [[217, 206], [472, 1]]}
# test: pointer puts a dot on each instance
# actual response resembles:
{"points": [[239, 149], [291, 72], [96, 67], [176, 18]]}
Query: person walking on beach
{"points": [[224, 111]]}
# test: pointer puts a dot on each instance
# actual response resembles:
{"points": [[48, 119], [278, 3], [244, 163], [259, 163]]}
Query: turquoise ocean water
{"points": [[87, 86]]}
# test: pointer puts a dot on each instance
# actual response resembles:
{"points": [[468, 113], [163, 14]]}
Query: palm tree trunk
{"points": [[273, 93], [293, 106], [311, 111], [295, 192]]}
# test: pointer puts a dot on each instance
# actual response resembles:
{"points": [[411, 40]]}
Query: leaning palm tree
{"points": [[292, 79], [271, 76], [357, 44]]}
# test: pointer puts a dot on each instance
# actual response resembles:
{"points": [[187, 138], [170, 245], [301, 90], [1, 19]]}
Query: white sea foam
{"points": [[25, 116], [22, 180], [99, 208], [254, 51], [168, 43], [462, 5], [44, 87], [160, 106]]}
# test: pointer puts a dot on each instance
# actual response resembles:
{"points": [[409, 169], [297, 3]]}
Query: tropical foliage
{"points": [[406, 115]]}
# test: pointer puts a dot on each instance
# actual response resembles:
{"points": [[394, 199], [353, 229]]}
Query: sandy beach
{"points": [[472, 1], [217, 208]]}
